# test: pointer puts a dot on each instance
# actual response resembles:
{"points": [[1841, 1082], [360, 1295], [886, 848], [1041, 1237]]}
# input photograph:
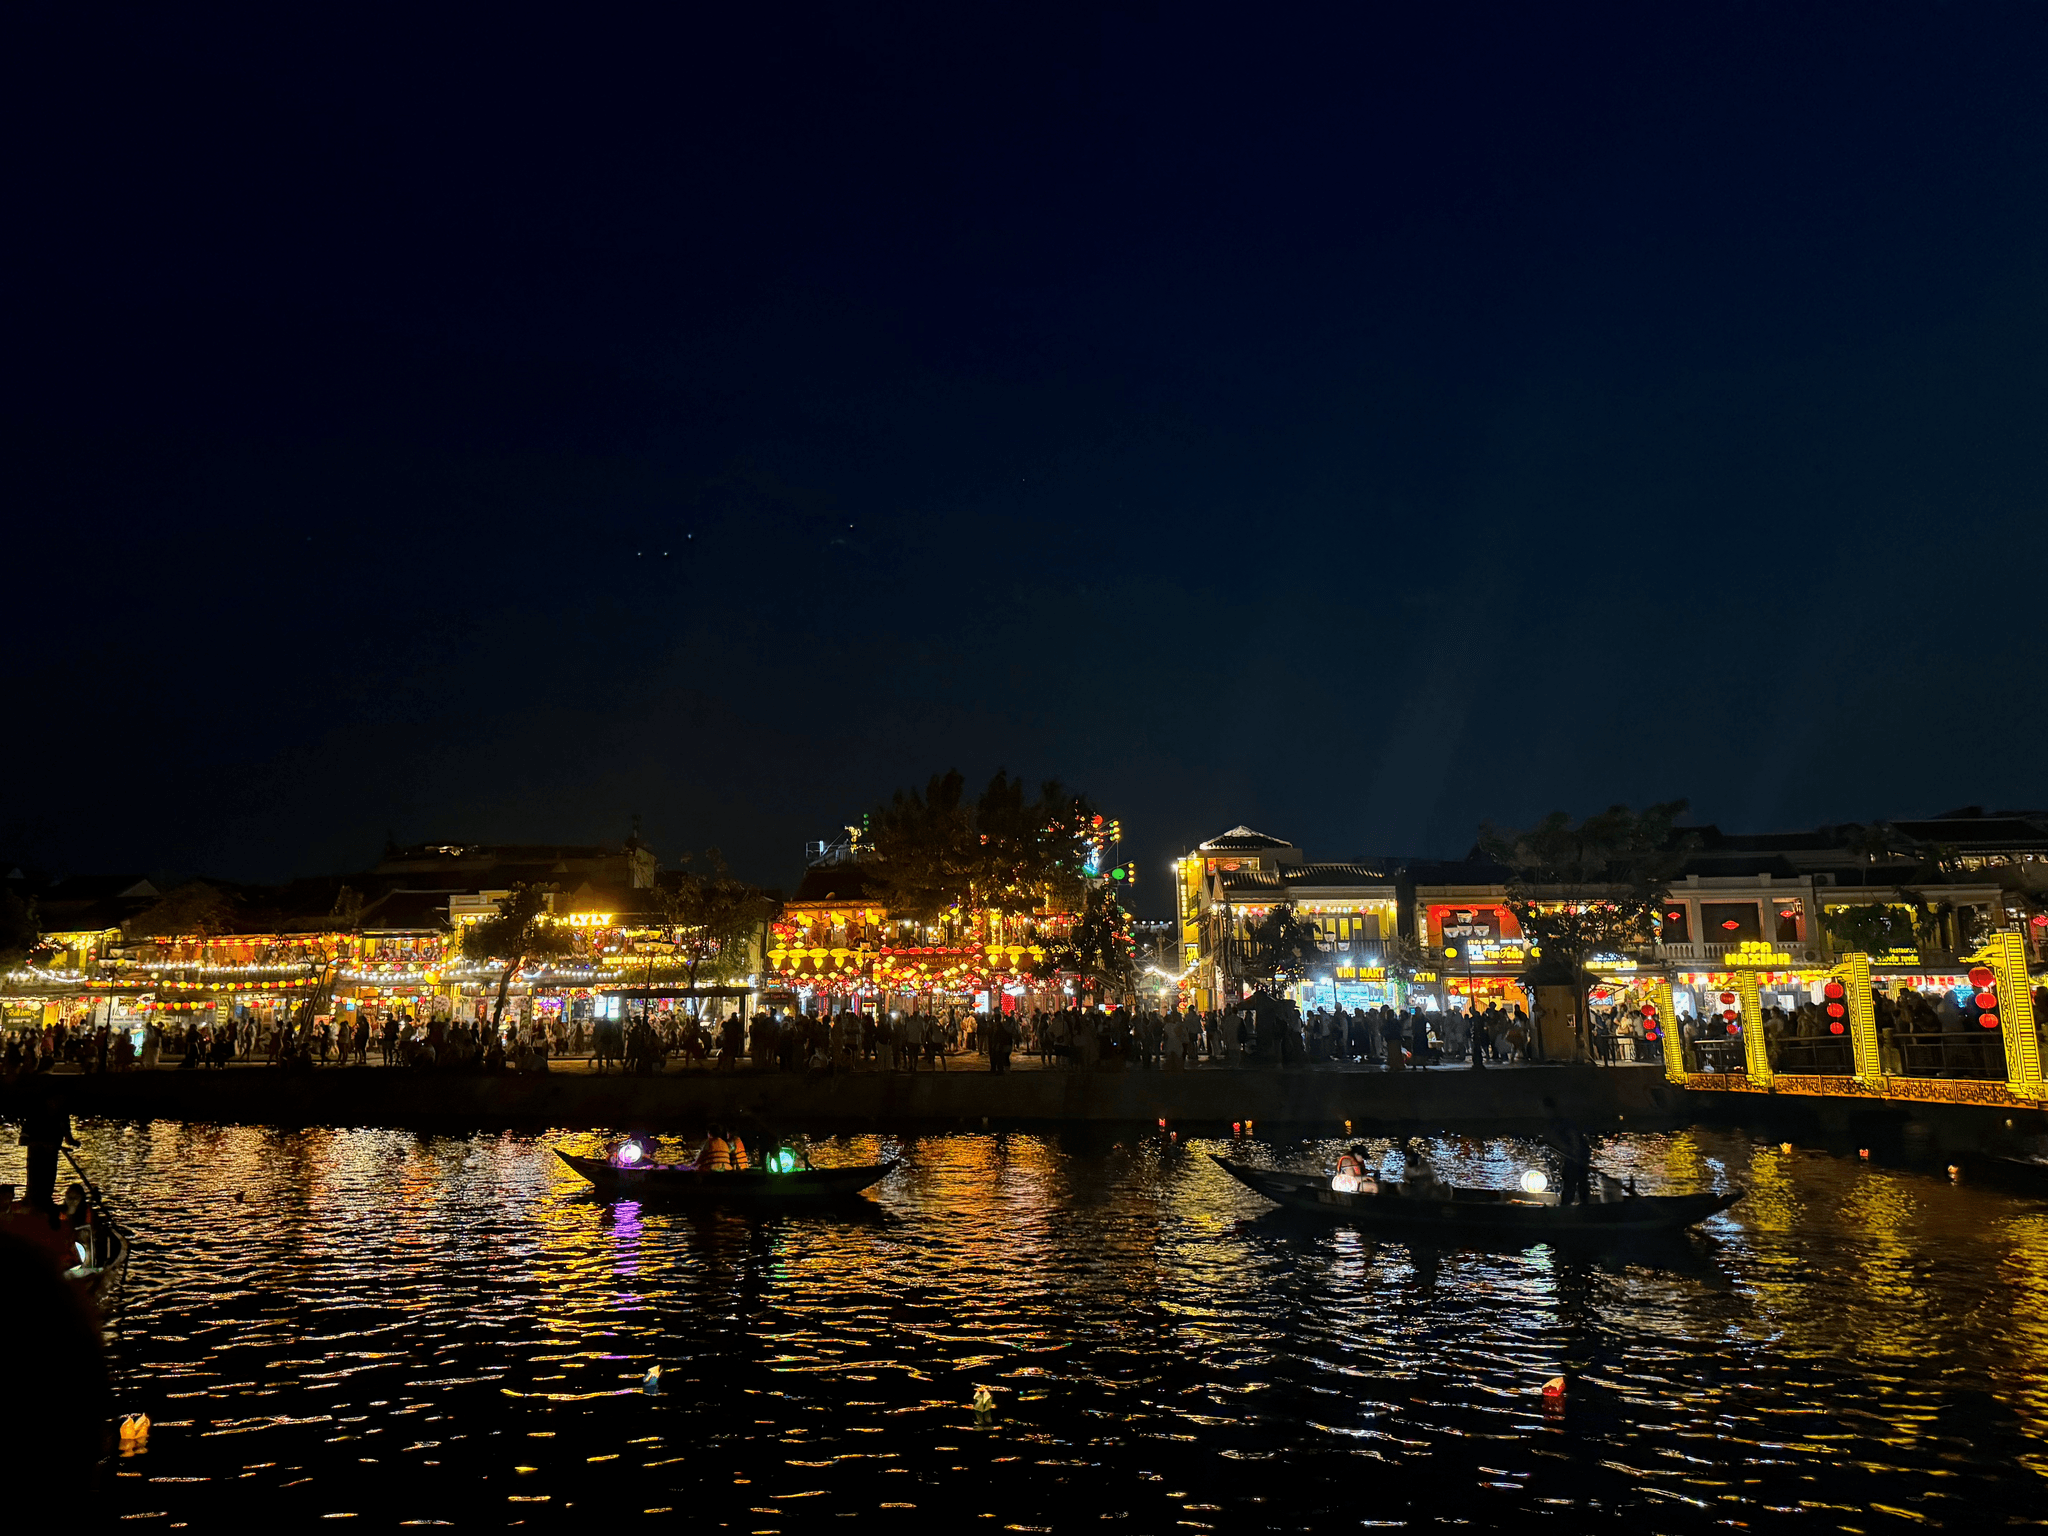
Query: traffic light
{"points": [[1835, 1000], [1985, 980]]}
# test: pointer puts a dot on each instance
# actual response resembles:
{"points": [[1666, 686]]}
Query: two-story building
{"points": [[1234, 880]]}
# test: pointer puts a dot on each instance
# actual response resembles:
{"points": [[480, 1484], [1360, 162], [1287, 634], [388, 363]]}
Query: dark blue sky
{"points": [[477, 427]]}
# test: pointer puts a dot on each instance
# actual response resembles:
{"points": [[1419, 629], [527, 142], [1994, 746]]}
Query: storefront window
{"points": [[1729, 922], [1677, 927]]}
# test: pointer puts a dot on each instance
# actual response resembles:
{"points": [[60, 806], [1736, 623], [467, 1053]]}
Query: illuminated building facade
{"points": [[835, 943]]}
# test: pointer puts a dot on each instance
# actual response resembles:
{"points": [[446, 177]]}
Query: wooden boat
{"points": [[1489, 1213], [752, 1186], [101, 1249], [2014, 1175]]}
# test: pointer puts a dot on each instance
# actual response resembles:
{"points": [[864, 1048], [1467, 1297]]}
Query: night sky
{"points": [[1354, 424]]}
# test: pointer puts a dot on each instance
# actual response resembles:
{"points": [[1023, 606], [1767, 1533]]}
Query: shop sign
{"points": [[1488, 935], [1757, 953]]}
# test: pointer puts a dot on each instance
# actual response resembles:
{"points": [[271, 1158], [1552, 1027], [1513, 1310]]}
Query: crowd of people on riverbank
{"points": [[1262, 1031]]}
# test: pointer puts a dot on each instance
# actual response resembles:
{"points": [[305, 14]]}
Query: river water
{"points": [[400, 1329]]}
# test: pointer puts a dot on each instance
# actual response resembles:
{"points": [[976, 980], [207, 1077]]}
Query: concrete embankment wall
{"points": [[1203, 1101]]}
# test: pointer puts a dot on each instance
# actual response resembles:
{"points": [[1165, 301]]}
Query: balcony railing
{"points": [[1979, 1054], [1815, 1056], [1707, 954]]}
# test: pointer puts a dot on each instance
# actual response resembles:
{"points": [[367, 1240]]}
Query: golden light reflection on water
{"points": [[384, 1321]]}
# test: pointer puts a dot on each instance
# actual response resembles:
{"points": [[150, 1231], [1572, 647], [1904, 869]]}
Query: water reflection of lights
{"points": [[1131, 1308], [626, 1233]]}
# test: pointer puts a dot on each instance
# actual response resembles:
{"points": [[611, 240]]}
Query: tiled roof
{"points": [[836, 882], [406, 911], [1974, 832], [1241, 840], [1337, 874], [1249, 880]]}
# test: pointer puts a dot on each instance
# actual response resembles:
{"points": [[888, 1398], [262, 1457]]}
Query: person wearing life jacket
{"points": [[1351, 1177], [717, 1154], [736, 1154]]}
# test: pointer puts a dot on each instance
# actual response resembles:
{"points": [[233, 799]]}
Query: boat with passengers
{"points": [[722, 1174], [1421, 1205]]}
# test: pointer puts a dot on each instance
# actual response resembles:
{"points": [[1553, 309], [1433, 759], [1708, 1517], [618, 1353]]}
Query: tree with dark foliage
{"points": [[520, 932], [1280, 947], [1591, 889], [934, 852]]}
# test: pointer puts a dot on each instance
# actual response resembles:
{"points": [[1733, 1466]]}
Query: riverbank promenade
{"points": [[1206, 1099]]}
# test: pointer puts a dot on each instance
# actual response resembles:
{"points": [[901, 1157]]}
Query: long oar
{"points": [[96, 1198]]}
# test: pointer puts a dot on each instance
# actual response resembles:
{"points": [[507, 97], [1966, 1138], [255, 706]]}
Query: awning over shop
{"points": [[651, 992]]}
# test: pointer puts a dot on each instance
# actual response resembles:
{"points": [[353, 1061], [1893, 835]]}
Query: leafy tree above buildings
{"points": [[1279, 947], [1096, 946], [18, 927], [935, 853], [709, 917], [1872, 927], [939, 860], [1579, 891], [519, 933]]}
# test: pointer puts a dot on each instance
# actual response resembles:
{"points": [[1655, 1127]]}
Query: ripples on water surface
{"points": [[435, 1329]]}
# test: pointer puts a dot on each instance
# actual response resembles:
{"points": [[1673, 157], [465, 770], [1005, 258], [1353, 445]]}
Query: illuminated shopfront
{"points": [[1481, 954]]}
